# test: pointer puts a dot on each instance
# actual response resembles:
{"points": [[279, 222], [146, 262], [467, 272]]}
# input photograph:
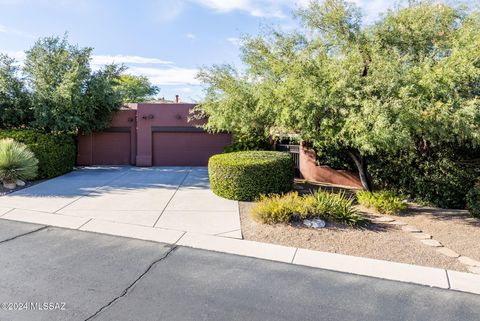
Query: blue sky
{"points": [[166, 40]]}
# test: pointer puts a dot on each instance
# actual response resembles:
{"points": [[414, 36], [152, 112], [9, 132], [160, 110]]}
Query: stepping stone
{"points": [[469, 261], [422, 236], [448, 252], [410, 229], [397, 223], [474, 269], [384, 219], [432, 243]]}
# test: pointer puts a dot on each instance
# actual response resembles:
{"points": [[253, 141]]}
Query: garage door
{"points": [[111, 148], [186, 148]]}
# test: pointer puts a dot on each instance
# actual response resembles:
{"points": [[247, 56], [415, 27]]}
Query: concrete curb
{"points": [[427, 276]]}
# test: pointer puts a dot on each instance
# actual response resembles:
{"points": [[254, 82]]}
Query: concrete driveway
{"points": [[99, 277], [169, 198]]}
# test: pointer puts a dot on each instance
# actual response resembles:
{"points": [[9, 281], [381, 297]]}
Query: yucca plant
{"points": [[17, 162]]}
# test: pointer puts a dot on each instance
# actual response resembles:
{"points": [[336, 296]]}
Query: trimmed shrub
{"points": [[244, 176], [16, 161], [473, 200], [56, 153], [291, 207], [385, 202]]}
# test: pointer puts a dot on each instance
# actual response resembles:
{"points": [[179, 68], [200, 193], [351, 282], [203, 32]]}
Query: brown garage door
{"points": [[186, 148], [111, 148]]}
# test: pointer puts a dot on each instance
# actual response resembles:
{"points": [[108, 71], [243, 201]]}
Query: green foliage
{"points": [[473, 200], [231, 104], [387, 88], [291, 207], [333, 156], [15, 100], [285, 208], [67, 96], [134, 89], [56, 153], [385, 202], [245, 175], [337, 207], [16, 161], [248, 142], [442, 177], [101, 99]]}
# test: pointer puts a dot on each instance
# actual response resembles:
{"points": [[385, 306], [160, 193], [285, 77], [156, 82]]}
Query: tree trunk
{"points": [[361, 164]]}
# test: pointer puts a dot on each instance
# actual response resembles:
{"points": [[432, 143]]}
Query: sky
{"points": [[165, 40]]}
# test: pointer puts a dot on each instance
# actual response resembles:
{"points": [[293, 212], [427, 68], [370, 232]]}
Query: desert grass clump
{"points": [[17, 162], [291, 207], [384, 202]]}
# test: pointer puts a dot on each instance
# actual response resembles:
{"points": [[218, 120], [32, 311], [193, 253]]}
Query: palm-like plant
{"points": [[17, 162]]}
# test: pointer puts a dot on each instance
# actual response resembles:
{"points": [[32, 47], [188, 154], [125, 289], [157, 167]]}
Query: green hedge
{"points": [[56, 153], [246, 175]]}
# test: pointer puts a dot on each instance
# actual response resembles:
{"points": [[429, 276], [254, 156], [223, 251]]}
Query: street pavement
{"points": [[49, 273]]}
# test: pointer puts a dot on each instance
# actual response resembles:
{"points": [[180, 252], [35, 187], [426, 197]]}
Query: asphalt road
{"points": [[63, 274]]}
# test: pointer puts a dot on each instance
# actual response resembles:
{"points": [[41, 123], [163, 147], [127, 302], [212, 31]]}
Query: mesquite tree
{"points": [[407, 82]]}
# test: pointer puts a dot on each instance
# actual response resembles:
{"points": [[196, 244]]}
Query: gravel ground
{"points": [[455, 229], [378, 241]]}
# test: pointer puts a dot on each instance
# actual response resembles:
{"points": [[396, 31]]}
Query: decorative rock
{"points": [[448, 252], [315, 223], [410, 229], [385, 219], [20, 183], [469, 261], [422, 236], [432, 243], [9, 185], [474, 269], [307, 223]]}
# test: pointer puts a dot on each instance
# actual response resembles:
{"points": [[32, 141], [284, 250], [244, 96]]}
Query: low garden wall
{"points": [[310, 171]]}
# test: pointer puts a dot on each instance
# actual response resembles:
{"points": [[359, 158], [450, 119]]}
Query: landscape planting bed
{"points": [[391, 241]]}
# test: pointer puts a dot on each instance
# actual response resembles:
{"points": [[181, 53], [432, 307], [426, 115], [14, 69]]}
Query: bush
{"points": [[56, 153], [16, 161], [292, 207], [473, 200], [285, 208], [246, 143], [385, 202], [337, 207], [442, 177], [245, 175]]}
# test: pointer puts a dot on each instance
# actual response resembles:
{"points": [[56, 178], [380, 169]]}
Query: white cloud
{"points": [[167, 76], [191, 35], [258, 8], [123, 59], [234, 41]]}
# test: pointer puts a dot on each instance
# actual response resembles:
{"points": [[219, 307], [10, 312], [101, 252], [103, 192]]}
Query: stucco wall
{"points": [[142, 121], [309, 170]]}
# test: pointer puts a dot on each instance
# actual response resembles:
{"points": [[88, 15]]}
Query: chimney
{"points": [[177, 99]]}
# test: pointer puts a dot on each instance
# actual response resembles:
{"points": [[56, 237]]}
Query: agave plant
{"points": [[17, 162]]}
